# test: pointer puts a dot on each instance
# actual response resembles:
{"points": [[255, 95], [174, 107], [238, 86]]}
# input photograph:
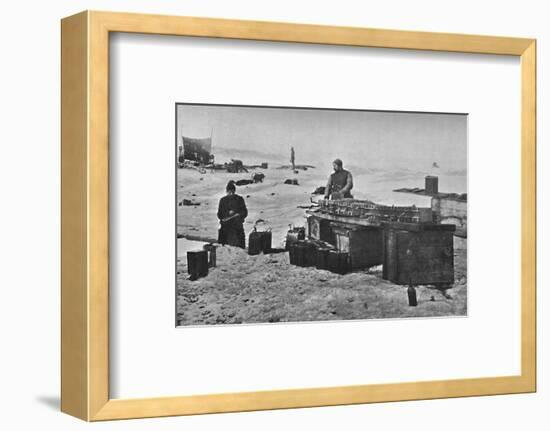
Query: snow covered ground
{"points": [[266, 288]]}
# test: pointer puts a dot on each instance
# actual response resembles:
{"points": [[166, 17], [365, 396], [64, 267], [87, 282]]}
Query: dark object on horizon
{"points": [[319, 190], [293, 182], [294, 235], [423, 252], [188, 203], [259, 242], [196, 149], [243, 182], [211, 251], [258, 177], [296, 167], [263, 165], [197, 264], [435, 165], [411, 293], [431, 185], [236, 166]]}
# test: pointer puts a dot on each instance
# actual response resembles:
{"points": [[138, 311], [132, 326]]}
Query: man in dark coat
{"points": [[231, 213], [340, 182]]}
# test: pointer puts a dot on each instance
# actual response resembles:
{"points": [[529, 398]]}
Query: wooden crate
{"points": [[303, 253], [363, 243], [319, 229], [418, 253]]}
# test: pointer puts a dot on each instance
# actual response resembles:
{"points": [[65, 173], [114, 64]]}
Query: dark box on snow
{"points": [[197, 264], [419, 253], [259, 242], [303, 253]]}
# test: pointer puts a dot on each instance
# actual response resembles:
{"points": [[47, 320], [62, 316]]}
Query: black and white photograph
{"points": [[291, 214], [298, 214]]}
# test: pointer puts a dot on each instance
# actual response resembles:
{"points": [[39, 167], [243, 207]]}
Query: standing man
{"points": [[232, 213], [292, 158], [340, 182]]}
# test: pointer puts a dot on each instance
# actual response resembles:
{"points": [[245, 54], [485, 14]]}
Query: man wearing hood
{"points": [[231, 212], [340, 182]]}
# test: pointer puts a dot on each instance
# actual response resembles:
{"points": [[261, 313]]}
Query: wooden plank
{"points": [[74, 222], [529, 216], [98, 214], [343, 219], [308, 33]]}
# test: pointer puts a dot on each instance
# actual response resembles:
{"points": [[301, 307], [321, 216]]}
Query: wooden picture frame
{"points": [[85, 220]]}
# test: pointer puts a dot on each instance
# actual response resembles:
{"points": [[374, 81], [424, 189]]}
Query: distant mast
{"points": [[212, 145]]}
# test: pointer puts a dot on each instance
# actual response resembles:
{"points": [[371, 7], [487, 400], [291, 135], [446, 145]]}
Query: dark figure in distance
{"points": [[232, 213], [340, 182]]}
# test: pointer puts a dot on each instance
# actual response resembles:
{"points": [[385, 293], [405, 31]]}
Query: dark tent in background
{"points": [[196, 149]]}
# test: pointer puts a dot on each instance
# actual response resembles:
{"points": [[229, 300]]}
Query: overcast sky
{"points": [[377, 139]]}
